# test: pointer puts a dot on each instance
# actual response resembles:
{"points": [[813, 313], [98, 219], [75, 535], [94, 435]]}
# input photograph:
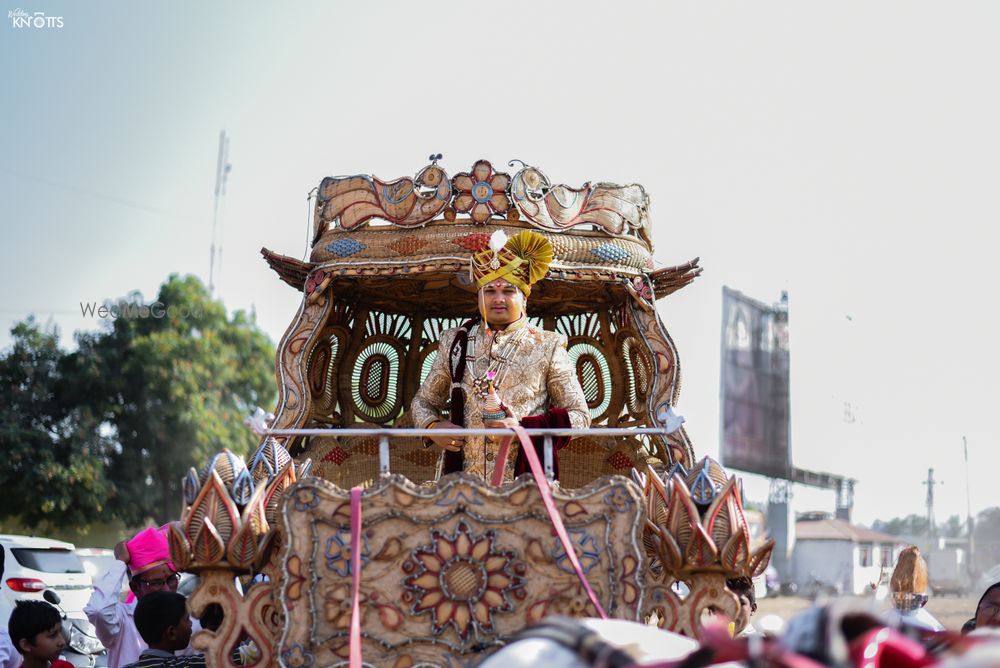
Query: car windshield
{"points": [[97, 566], [54, 560]]}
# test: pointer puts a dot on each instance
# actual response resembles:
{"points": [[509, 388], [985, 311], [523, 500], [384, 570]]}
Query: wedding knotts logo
{"points": [[22, 19], [135, 311]]}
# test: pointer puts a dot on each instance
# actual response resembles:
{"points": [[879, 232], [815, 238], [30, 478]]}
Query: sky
{"points": [[847, 153]]}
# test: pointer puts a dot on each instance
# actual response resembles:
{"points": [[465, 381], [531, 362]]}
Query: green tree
{"points": [[911, 525], [54, 451], [953, 527], [173, 387], [109, 430]]}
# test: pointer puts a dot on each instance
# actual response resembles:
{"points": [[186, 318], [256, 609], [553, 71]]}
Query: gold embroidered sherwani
{"points": [[533, 374]]}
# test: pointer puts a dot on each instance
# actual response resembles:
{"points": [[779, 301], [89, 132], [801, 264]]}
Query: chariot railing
{"points": [[547, 434]]}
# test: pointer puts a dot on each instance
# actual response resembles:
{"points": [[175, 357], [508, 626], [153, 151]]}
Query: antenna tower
{"points": [[222, 168]]}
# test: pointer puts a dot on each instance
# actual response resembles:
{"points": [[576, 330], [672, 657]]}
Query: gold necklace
{"points": [[497, 362]]}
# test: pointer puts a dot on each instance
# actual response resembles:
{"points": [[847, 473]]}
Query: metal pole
{"points": [[970, 524], [930, 509], [459, 431], [383, 454], [220, 164], [549, 466]]}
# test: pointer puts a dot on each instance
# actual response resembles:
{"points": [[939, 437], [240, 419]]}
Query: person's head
{"points": [[743, 588], [35, 629], [156, 579], [161, 617], [988, 610], [149, 563], [501, 303], [505, 271]]}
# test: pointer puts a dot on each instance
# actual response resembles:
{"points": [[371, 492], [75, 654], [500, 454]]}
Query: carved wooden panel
{"points": [[294, 394], [483, 194], [665, 376], [449, 571]]}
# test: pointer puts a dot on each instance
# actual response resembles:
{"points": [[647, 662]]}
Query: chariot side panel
{"points": [[449, 572]]}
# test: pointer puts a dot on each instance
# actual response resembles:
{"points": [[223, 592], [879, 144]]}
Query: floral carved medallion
{"points": [[462, 579]]}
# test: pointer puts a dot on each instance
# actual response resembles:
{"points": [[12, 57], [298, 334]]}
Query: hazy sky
{"points": [[846, 152]]}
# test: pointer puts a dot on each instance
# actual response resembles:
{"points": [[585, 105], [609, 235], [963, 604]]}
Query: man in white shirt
{"points": [[9, 657], [145, 561]]}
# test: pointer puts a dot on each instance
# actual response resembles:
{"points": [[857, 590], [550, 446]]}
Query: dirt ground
{"points": [[950, 611]]}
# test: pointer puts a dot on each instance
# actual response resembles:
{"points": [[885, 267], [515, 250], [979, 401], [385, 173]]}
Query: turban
{"points": [[522, 260], [147, 550]]}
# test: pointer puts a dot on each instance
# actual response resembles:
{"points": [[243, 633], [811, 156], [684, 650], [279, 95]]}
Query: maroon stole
{"points": [[554, 418], [457, 355]]}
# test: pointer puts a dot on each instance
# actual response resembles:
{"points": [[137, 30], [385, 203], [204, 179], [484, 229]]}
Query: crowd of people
{"points": [[144, 561], [150, 629], [153, 628]]}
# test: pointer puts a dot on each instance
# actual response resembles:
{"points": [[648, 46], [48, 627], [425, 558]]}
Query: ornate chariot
{"points": [[451, 567]]}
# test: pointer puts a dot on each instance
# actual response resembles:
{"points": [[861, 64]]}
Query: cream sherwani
{"points": [[533, 374]]}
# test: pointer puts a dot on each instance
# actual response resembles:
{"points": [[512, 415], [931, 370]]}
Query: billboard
{"points": [[754, 415]]}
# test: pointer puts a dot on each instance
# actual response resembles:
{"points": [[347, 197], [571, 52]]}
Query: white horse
{"points": [[562, 642]]}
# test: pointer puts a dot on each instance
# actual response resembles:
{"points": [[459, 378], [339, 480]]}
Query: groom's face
{"points": [[500, 303]]}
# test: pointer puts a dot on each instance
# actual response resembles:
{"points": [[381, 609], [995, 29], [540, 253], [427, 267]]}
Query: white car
{"points": [[32, 565]]}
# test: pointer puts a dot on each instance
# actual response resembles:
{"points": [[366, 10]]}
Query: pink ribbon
{"points": [[501, 461], [354, 660], [550, 505]]}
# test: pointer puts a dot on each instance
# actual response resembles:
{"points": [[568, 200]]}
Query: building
{"points": [[834, 555]]}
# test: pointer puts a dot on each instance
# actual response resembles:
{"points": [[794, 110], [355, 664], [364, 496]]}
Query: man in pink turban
{"points": [[145, 560]]}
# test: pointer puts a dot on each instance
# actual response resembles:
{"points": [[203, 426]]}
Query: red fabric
{"points": [[886, 648], [554, 418]]}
